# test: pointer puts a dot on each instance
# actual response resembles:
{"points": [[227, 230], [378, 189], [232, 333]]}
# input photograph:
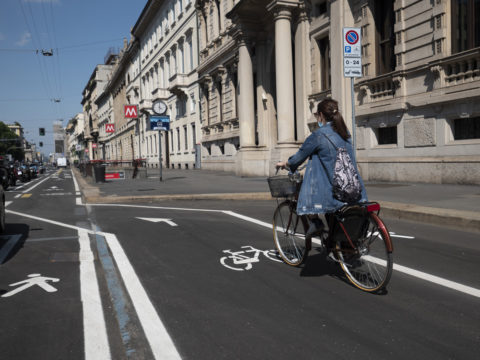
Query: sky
{"points": [[36, 90]]}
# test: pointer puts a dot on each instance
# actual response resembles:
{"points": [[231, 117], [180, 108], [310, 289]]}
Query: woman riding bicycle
{"points": [[316, 194]]}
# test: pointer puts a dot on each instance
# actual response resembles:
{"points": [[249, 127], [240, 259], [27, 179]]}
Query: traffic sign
{"points": [[160, 122], [352, 42], [352, 52]]}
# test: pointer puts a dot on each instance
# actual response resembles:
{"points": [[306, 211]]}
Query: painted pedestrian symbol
{"points": [[35, 279]]}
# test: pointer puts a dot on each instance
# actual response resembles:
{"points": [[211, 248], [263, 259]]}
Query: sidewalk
{"points": [[442, 204]]}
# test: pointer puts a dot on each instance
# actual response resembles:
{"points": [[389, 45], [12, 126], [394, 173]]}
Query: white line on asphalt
{"points": [[157, 336], [77, 190], [78, 201], [17, 196], [38, 183], [8, 203], [156, 207], [160, 342], [400, 268], [427, 277], [94, 329], [5, 250]]}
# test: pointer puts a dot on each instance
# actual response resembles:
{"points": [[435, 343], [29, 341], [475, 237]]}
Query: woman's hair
{"points": [[329, 109]]}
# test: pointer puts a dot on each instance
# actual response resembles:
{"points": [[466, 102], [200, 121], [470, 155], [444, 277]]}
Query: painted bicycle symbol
{"points": [[243, 259]]}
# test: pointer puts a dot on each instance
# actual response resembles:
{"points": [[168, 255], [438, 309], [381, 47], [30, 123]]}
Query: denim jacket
{"points": [[316, 193]]}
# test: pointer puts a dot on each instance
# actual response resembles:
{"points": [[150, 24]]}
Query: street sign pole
{"points": [[352, 68], [354, 126], [160, 152]]}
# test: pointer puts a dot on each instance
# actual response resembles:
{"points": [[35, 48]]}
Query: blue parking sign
{"points": [[160, 122], [348, 49]]}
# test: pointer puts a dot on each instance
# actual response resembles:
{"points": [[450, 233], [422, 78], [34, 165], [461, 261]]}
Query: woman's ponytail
{"points": [[329, 109]]}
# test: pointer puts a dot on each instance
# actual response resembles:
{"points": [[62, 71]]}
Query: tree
{"points": [[14, 146]]}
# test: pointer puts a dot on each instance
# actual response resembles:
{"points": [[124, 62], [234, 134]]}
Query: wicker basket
{"points": [[283, 186]]}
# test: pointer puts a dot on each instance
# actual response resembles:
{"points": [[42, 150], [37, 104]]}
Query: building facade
{"points": [[167, 60], [264, 66], [243, 78]]}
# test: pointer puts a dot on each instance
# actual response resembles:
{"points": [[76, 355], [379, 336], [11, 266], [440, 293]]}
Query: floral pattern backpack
{"points": [[346, 183]]}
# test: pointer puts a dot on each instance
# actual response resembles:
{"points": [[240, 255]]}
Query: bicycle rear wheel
{"points": [[369, 266], [289, 234]]}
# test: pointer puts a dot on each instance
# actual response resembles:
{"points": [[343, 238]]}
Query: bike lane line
{"points": [[94, 328], [400, 268], [160, 342], [38, 183]]}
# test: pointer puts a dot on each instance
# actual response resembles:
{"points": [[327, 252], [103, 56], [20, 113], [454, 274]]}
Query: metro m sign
{"points": [[109, 128], [131, 111]]}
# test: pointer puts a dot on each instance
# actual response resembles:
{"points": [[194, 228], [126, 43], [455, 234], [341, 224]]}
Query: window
{"points": [[182, 60], [222, 148], [171, 141], [465, 25], [466, 128], [384, 36], [387, 135], [321, 8], [194, 135], [190, 54], [325, 77], [178, 139], [185, 136]]}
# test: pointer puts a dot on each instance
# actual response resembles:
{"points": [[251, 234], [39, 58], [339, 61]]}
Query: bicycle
{"points": [[357, 238]]}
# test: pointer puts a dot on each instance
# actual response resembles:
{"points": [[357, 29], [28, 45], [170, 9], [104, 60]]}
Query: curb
{"points": [[457, 219]]}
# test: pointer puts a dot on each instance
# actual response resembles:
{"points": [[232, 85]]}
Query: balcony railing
{"points": [[461, 68]]}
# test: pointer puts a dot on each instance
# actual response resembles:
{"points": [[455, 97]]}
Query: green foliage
{"points": [[10, 147]]}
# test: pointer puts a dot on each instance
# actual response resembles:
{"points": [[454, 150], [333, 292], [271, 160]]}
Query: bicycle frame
{"points": [[336, 221]]}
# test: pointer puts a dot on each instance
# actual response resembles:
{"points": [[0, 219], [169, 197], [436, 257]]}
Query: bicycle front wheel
{"points": [[369, 266], [289, 234]]}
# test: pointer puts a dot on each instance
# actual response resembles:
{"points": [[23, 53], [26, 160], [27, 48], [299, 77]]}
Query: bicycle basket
{"points": [[283, 186]]}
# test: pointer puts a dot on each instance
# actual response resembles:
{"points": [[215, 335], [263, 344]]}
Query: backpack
{"points": [[346, 182]]}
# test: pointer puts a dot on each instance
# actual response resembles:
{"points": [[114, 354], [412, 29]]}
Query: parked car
{"points": [[24, 173], [2, 210]]}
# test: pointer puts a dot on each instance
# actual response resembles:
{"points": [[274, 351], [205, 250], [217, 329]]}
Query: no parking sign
{"points": [[352, 52]]}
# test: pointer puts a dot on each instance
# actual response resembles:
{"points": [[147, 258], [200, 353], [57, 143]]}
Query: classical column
{"points": [[245, 91], [284, 75], [302, 73]]}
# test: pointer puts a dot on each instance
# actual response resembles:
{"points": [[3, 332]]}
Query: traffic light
{"points": [[41, 131], [41, 143]]}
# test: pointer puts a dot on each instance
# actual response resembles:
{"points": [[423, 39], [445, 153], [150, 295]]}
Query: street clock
{"points": [[159, 107]]}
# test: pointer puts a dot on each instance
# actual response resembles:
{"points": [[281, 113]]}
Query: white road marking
{"points": [[75, 183], [94, 329], [155, 220], [78, 201], [8, 203], [400, 268], [17, 196], [157, 336], [38, 183], [34, 279], [427, 277], [160, 342], [5, 249]]}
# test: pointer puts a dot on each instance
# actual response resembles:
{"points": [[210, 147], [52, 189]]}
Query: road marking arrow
{"points": [[155, 220]]}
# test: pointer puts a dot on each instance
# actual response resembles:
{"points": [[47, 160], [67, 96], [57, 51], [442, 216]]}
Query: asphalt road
{"points": [[158, 281]]}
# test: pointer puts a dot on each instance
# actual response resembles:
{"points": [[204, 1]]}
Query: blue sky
{"points": [[80, 32]]}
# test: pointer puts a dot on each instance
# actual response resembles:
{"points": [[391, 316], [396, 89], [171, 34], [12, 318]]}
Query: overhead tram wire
{"points": [[42, 74], [57, 58]]}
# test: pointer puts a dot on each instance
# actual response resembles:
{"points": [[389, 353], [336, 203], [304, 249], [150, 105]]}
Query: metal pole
{"points": [[160, 152], [354, 126]]}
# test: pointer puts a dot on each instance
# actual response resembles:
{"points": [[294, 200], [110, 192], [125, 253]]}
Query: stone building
{"points": [[120, 144], [264, 65], [94, 88], [166, 63], [74, 140]]}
